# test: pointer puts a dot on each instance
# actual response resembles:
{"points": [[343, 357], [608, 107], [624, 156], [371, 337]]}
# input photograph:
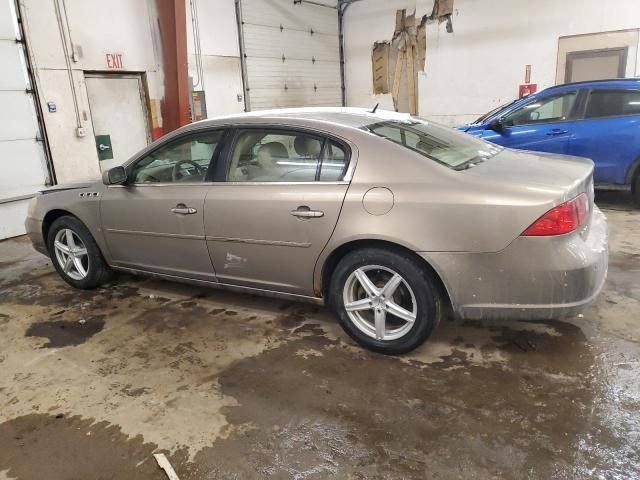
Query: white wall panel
{"points": [[12, 75], [12, 217], [7, 21], [22, 166], [218, 28], [223, 84], [481, 64], [22, 160], [309, 75]]}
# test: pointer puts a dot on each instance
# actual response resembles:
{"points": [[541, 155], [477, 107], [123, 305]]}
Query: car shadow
{"points": [[615, 200]]}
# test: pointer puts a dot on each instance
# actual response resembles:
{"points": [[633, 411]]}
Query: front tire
{"points": [[385, 300], [75, 254]]}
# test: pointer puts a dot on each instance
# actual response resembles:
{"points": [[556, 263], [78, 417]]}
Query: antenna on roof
{"points": [[375, 108]]}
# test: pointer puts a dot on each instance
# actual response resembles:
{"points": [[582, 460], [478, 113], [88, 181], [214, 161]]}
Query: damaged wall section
{"points": [[398, 62]]}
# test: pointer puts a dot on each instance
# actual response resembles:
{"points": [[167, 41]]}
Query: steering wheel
{"points": [[175, 175]]}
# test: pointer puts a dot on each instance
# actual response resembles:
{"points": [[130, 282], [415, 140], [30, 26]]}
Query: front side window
{"points": [[444, 145], [183, 160], [556, 108], [610, 103], [280, 156]]}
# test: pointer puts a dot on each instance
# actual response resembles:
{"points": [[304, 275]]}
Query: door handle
{"points": [[557, 131], [182, 209], [306, 212]]}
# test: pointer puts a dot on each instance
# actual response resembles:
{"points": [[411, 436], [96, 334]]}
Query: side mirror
{"points": [[114, 176], [497, 125]]}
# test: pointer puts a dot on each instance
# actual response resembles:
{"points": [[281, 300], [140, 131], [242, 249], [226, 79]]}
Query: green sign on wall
{"points": [[103, 146]]}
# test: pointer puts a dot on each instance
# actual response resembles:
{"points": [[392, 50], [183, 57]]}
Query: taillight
{"points": [[562, 219]]}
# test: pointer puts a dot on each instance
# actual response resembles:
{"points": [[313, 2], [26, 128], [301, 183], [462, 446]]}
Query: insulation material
{"points": [[380, 67], [442, 8], [443, 11]]}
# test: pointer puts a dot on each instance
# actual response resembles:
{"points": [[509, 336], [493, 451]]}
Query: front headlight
{"points": [[33, 205]]}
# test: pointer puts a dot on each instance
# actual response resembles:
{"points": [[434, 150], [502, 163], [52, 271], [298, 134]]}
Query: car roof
{"points": [[349, 117], [611, 82]]}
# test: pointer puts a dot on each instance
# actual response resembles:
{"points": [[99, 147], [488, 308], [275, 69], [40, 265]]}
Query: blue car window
{"points": [[555, 108], [610, 103]]}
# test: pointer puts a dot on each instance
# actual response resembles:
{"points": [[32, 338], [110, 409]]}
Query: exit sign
{"points": [[114, 61]]}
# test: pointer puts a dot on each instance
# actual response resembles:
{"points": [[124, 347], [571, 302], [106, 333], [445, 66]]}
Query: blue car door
{"points": [[609, 134], [543, 124]]}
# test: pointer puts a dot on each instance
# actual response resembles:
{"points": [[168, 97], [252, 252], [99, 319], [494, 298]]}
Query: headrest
{"points": [[307, 146], [273, 150]]}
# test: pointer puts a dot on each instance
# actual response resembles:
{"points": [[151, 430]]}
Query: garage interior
{"points": [[225, 385]]}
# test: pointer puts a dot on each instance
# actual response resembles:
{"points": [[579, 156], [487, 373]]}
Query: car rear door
{"points": [[276, 207], [609, 134], [543, 124], [155, 222]]}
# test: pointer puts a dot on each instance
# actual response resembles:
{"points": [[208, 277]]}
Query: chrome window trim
{"points": [[210, 184]]}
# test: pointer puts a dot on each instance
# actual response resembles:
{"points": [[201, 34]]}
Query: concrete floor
{"points": [[233, 386]]}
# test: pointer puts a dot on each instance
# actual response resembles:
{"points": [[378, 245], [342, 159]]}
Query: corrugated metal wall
{"points": [[22, 158], [291, 53]]}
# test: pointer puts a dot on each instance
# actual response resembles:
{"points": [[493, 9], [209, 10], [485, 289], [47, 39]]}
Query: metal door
{"points": [[290, 54], [143, 230], [256, 239], [155, 221], [119, 117], [543, 124]]}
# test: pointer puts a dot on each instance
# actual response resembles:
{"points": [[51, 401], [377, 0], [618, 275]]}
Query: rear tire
{"points": [[385, 300], [635, 188], [75, 254]]}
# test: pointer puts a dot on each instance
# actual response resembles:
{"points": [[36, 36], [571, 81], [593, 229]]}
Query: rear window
{"points": [[610, 103], [444, 145]]}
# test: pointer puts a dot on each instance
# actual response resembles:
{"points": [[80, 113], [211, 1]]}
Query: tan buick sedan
{"points": [[389, 219]]}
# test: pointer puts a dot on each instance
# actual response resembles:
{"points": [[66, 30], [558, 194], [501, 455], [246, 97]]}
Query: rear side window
{"points": [[444, 145], [334, 163], [285, 156], [610, 103]]}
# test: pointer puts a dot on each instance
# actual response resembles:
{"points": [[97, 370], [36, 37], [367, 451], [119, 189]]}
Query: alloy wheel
{"points": [[71, 254], [380, 302]]}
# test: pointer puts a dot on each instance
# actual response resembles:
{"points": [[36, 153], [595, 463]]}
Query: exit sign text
{"points": [[114, 60]]}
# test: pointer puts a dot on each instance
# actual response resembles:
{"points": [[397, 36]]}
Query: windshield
{"points": [[446, 146], [490, 113]]}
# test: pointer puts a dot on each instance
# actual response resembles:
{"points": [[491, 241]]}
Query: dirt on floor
{"points": [[234, 386]]}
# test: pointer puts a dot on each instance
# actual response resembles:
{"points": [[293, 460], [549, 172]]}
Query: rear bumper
{"points": [[534, 278], [34, 230]]}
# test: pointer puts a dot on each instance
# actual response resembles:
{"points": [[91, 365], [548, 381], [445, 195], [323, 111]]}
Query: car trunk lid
{"points": [[553, 178]]}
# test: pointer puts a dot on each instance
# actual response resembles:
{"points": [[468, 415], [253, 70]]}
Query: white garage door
{"points": [[22, 159], [292, 54]]}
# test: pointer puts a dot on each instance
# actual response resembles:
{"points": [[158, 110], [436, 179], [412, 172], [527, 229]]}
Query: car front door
{"points": [[609, 134], [155, 221], [543, 124], [268, 222]]}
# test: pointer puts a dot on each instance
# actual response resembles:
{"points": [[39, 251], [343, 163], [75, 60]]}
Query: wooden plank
{"points": [[411, 81], [163, 463], [396, 78]]}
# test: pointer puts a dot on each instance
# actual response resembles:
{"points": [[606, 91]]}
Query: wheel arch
{"points": [[341, 251], [50, 217], [632, 172]]}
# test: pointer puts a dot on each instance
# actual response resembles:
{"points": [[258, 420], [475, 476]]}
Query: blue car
{"points": [[599, 120]]}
